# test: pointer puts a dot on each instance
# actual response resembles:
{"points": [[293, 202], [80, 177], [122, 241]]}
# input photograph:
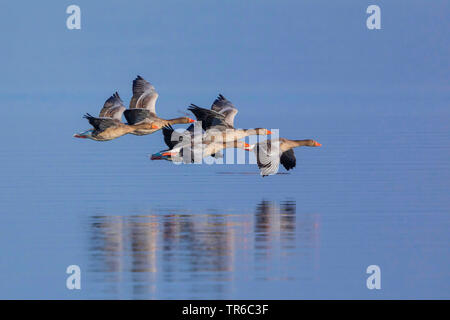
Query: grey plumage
{"points": [[135, 116], [144, 95], [268, 157], [209, 118], [113, 107], [100, 124], [224, 106]]}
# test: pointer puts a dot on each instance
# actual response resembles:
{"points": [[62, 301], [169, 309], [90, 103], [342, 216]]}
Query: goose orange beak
{"points": [[269, 132], [191, 120], [247, 147], [159, 156], [154, 126], [165, 154], [316, 144]]}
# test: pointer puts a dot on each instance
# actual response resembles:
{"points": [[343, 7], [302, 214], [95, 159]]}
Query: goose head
{"points": [[162, 155], [84, 135], [262, 131], [313, 143]]}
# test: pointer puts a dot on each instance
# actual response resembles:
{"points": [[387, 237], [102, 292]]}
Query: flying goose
{"points": [[180, 143], [218, 122], [107, 125], [141, 112], [270, 153]]}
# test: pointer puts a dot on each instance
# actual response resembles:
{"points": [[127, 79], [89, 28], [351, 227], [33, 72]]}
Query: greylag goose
{"points": [[270, 153], [141, 113], [218, 122], [183, 147], [107, 125]]}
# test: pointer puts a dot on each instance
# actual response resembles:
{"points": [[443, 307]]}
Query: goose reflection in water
{"points": [[197, 255]]}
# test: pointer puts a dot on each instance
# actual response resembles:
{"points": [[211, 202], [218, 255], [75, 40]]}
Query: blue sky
{"points": [[248, 49]]}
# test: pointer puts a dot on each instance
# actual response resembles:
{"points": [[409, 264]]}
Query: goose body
{"points": [[184, 147], [107, 126], [142, 114], [218, 122], [219, 133], [270, 153]]}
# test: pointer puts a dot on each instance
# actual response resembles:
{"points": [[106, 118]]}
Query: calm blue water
{"points": [[152, 230], [375, 193]]}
